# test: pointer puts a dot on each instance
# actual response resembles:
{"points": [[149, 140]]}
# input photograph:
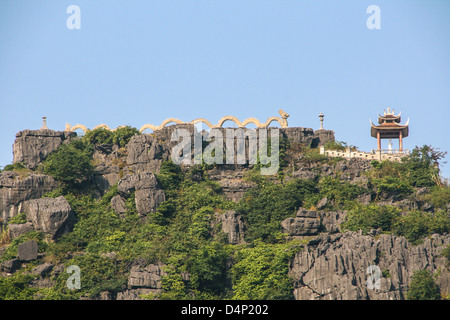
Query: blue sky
{"points": [[137, 62]]}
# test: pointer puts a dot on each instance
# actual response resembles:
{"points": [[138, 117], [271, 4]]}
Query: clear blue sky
{"points": [[138, 62]]}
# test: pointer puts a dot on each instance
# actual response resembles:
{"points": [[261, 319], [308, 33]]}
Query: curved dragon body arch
{"points": [[76, 127], [202, 120], [282, 121], [104, 126], [226, 118], [272, 119], [255, 121], [167, 121], [147, 126]]}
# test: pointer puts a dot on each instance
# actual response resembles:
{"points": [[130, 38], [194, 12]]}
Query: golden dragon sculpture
{"points": [[281, 120]]}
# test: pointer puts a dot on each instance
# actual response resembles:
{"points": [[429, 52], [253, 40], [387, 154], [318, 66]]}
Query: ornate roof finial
{"points": [[389, 111]]}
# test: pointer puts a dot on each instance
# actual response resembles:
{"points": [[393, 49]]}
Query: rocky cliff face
{"points": [[53, 216], [339, 266], [16, 188], [148, 194], [332, 265], [31, 147]]}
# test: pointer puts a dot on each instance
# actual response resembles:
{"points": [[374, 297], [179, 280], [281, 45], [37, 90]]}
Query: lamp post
{"points": [[44, 123], [321, 115]]}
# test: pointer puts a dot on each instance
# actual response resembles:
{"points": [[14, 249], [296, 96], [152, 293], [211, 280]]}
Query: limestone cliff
{"points": [[31, 147], [333, 264], [335, 267]]}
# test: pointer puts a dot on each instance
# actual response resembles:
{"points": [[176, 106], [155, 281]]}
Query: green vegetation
{"points": [[335, 145], [98, 136], [11, 250], [184, 234], [18, 219], [70, 163], [438, 197], [400, 181], [419, 169], [422, 166], [120, 137], [416, 225], [170, 176], [312, 156], [14, 167], [372, 217], [422, 287], [392, 187], [266, 205], [446, 253], [261, 272], [341, 194], [179, 234], [17, 287]]}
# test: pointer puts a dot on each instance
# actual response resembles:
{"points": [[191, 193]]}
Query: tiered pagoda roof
{"points": [[389, 126]]}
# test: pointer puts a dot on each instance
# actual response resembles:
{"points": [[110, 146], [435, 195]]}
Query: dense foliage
{"points": [[422, 287], [419, 169], [70, 163], [266, 205], [185, 236], [120, 137], [261, 272]]}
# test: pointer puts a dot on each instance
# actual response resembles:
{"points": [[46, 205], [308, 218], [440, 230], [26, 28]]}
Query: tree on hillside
{"points": [[70, 163], [422, 287], [423, 166]]}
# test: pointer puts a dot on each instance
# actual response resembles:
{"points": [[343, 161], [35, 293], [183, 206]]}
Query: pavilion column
{"points": [[400, 141], [378, 139]]}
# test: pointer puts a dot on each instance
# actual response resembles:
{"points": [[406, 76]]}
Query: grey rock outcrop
{"points": [[143, 281], [305, 174], [298, 135], [146, 152], [232, 225], [16, 230], [336, 266], [306, 223], [310, 222], [146, 277], [108, 162], [106, 176], [10, 266], [52, 216], [42, 270], [148, 194], [321, 137], [231, 180], [351, 170], [31, 147], [234, 189], [16, 188], [332, 220], [118, 204], [27, 251], [135, 294]]}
